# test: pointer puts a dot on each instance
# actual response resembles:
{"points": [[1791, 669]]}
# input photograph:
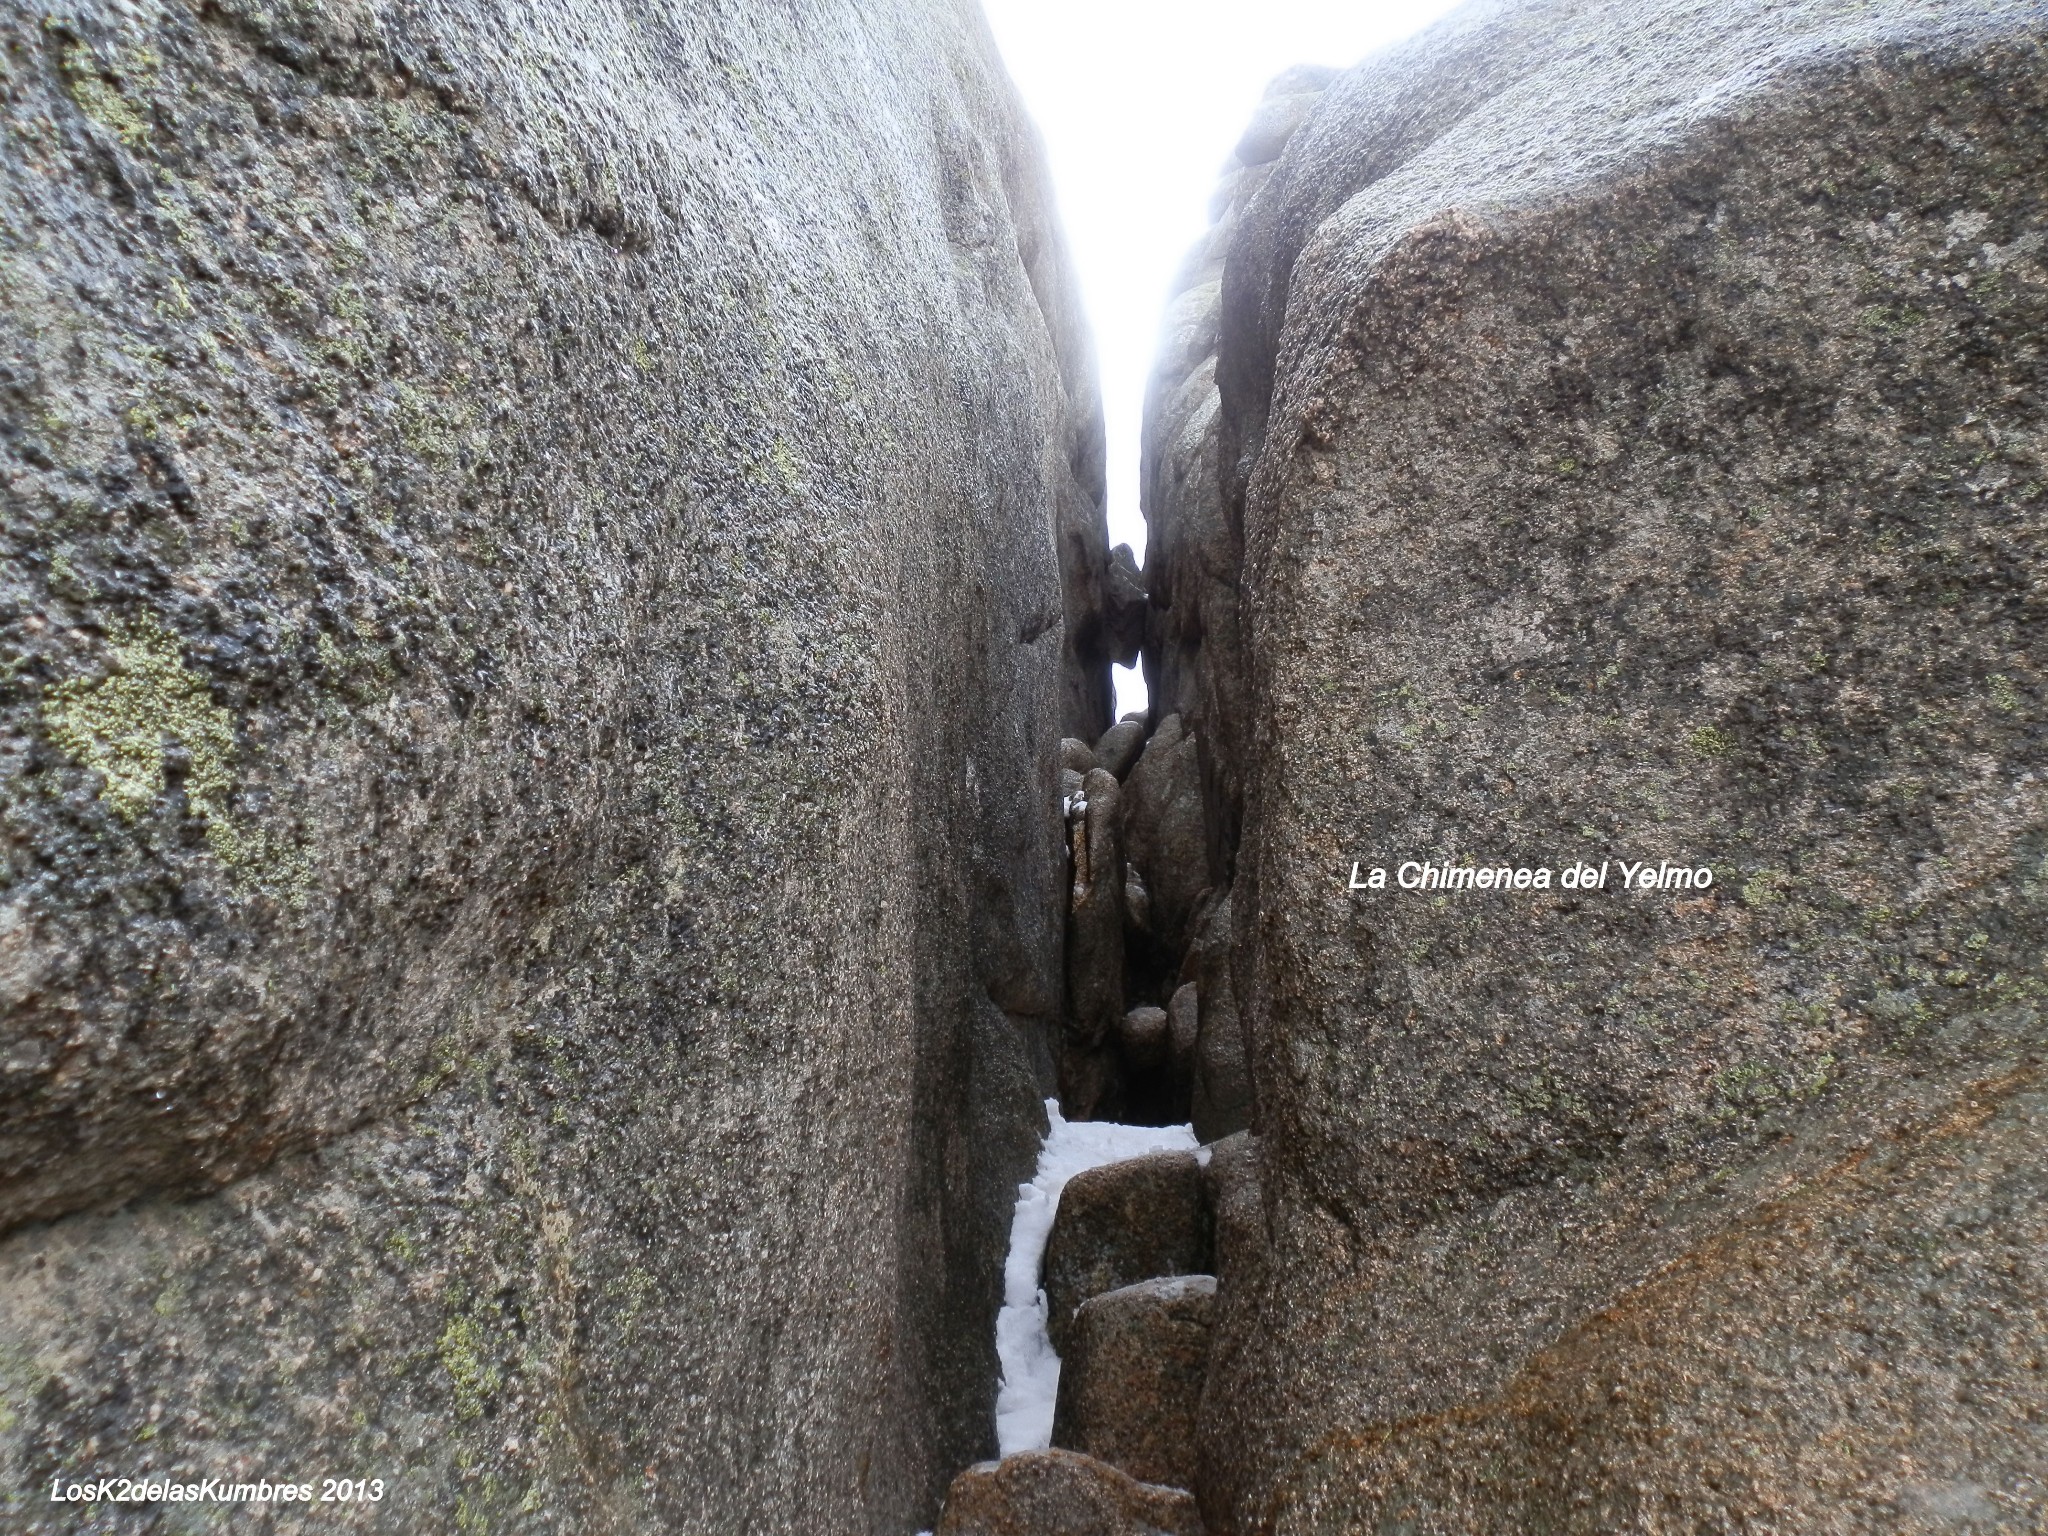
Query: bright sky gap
{"points": [[1140, 102]]}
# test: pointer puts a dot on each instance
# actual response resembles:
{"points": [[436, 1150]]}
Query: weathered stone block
{"points": [[547, 555], [1632, 413], [1060, 1493], [1131, 1378], [1127, 1221]]}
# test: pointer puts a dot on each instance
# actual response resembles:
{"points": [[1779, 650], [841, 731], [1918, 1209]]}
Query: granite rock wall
{"points": [[548, 552], [1624, 441]]}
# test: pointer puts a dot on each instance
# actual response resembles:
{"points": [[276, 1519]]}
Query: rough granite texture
{"points": [[1060, 1493], [548, 554], [1132, 1365], [1633, 415], [1127, 1221]]}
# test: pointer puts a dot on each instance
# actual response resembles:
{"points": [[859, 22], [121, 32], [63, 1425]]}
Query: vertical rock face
{"points": [[547, 557], [1194, 553], [1633, 419]]}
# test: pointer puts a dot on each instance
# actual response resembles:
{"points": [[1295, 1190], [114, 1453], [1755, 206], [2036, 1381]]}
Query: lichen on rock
{"points": [[117, 725], [547, 559]]}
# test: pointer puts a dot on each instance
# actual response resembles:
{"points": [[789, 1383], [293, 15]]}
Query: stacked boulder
{"points": [[1144, 923], [1152, 1032], [1057, 1493], [1140, 1257], [1146, 1255], [1153, 807]]}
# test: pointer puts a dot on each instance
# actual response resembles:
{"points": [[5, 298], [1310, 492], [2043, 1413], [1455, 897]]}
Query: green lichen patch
{"points": [[1765, 888], [100, 97], [262, 861], [1755, 1087], [118, 725], [1710, 741], [464, 1357]]}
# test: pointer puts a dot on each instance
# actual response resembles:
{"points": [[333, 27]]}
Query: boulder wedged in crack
{"points": [[1061, 1493], [1629, 417], [1163, 832], [547, 559], [1138, 1219], [1131, 1377]]}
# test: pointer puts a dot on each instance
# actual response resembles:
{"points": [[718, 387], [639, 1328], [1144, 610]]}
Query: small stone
{"points": [[1076, 756], [1131, 1379], [1060, 1493], [1118, 750], [1144, 1036], [1138, 1219]]}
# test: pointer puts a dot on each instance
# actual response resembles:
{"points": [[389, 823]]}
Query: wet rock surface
{"points": [[1629, 417], [1131, 1377], [547, 560], [1139, 1219], [1060, 1493]]}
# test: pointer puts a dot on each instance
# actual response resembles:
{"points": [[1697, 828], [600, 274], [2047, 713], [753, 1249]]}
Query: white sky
{"points": [[1140, 102]]}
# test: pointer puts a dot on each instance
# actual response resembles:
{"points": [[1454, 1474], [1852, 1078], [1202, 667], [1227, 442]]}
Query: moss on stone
{"points": [[119, 727], [1710, 741]]}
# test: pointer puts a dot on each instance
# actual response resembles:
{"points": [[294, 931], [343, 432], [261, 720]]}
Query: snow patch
{"points": [[1031, 1371]]}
